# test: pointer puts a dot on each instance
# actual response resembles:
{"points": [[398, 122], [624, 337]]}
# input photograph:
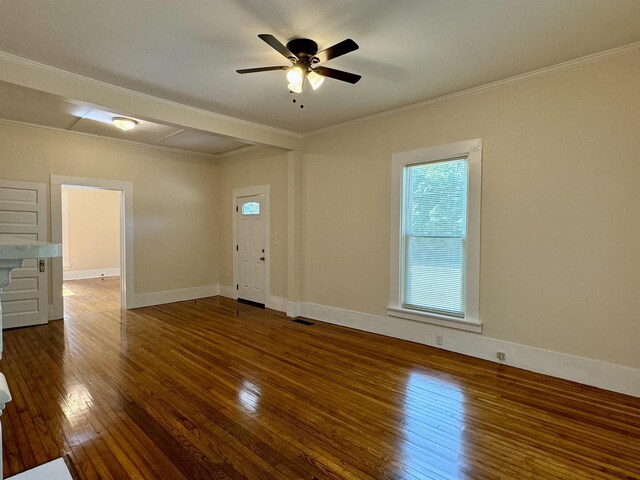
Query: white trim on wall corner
{"points": [[171, 296], [294, 309], [277, 303], [95, 273], [588, 371], [228, 291]]}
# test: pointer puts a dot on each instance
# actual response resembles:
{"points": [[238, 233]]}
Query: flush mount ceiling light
{"points": [[303, 54], [124, 123]]}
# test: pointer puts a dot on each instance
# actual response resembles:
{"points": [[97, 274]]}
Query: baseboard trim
{"points": [[294, 309], [274, 303], [277, 303], [94, 273], [53, 315], [171, 296], [228, 291], [596, 373]]}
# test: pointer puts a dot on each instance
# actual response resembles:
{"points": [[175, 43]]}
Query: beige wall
{"points": [[175, 234], [559, 256], [94, 228], [259, 167], [560, 223]]}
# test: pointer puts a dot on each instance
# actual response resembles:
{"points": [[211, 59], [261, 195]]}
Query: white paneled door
{"points": [[23, 208], [251, 256]]}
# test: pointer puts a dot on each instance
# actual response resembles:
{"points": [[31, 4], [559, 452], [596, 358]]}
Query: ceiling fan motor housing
{"points": [[303, 48]]}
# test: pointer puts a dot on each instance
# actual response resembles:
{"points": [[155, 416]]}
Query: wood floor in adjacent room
{"points": [[216, 389]]}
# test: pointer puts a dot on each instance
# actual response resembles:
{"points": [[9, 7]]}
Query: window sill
{"points": [[434, 319]]}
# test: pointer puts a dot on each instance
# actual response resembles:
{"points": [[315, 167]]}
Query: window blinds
{"points": [[434, 237]]}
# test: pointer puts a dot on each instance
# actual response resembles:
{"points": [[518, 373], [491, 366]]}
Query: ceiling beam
{"points": [[26, 73]]}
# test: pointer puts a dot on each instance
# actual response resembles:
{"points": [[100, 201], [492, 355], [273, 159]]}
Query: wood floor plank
{"points": [[213, 389]]}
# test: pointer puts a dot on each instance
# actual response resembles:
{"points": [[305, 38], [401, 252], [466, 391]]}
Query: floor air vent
{"points": [[303, 322]]}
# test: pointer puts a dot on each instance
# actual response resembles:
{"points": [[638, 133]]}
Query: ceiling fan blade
{"points": [[337, 50], [261, 69], [274, 43], [337, 74]]}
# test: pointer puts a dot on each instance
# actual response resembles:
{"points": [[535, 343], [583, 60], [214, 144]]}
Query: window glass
{"points": [[434, 237], [251, 208]]}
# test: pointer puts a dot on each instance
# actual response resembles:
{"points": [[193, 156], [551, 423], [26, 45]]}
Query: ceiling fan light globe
{"points": [[295, 87], [295, 76], [315, 80]]}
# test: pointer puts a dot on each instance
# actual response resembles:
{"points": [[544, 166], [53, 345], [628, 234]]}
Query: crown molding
{"points": [[595, 57], [27, 73], [35, 126]]}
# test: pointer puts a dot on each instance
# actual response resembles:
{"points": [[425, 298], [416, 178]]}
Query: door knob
{"points": [[262, 258]]}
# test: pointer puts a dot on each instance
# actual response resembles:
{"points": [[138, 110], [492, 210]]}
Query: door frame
{"points": [[127, 294], [249, 192]]}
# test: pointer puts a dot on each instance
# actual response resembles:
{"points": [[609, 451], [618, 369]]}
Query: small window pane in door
{"points": [[251, 208]]}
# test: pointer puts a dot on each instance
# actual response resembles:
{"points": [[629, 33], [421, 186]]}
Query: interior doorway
{"points": [[93, 220], [90, 232], [91, 246]]}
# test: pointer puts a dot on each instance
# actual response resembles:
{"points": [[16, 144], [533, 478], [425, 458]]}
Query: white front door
{"points": [[251, 255], [23, 208]]}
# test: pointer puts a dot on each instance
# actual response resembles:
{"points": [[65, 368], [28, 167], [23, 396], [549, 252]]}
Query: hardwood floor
{"points": [[216, 389]]}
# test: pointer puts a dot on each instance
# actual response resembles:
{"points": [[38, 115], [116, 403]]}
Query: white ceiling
{"points": [[410, 50], [31, 106]]}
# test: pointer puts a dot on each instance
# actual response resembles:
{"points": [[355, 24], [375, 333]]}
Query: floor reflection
{"points": [[76, 403], [433, 428], [249, 397]]}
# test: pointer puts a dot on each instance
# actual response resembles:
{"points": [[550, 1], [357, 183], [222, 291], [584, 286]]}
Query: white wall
{"points": [[93, 226]]}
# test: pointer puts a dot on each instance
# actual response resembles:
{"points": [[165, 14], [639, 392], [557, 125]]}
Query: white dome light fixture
{"points": [[124, 123]]}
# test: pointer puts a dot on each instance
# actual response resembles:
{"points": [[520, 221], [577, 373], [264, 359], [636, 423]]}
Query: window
{"points": [[251, 208], [435, 244]]}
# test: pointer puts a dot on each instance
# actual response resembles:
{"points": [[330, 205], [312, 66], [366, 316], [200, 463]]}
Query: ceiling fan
{"points": [[305, 58]]}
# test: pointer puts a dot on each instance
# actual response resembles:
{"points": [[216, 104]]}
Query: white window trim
{"points": [[472, 150]]}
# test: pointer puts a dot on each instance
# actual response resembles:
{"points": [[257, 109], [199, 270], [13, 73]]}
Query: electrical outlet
{"points": [[438, 339], [277, 238], [501, 356]]}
